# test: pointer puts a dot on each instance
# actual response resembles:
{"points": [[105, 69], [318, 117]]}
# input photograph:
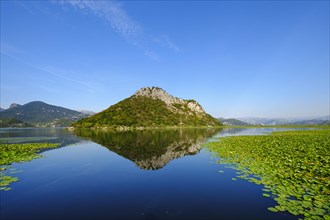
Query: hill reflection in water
{"points": [[151, 149]]}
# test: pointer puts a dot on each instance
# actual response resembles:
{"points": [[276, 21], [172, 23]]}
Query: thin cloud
{"points": [[165, 41], [50, 90], [110, 11], [152, 55], [14, 52], [4, 52], [10, 50], [26, 7], [114, 14], [86, 85], [171, 45]]}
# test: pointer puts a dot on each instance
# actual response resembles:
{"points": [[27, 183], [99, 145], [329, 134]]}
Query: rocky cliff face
{"points": [[158, 93], [14, 105], [171, 101]]}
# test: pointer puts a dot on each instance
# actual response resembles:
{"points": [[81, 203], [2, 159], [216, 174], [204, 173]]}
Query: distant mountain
{"points": [[86, 112], [287, 121], [42, 114], [312, 122], [2, 109], [150, 107], [265, 121], [324, 118], [326, 123], [232, 121]]}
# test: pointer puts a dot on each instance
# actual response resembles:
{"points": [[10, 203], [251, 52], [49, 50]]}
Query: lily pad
{"points": [[10, 153], [293, 165]]}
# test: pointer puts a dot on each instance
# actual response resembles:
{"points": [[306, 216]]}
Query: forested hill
{"points": [[151, 107]]}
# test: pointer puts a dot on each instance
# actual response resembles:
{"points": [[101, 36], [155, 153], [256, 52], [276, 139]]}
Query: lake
{"points": [[153, 174]]}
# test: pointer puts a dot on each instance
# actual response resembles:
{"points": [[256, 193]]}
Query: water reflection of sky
{"points": [[91, 181]]}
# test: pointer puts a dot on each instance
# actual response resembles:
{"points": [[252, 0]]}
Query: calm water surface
{"points": [[131, 175]]}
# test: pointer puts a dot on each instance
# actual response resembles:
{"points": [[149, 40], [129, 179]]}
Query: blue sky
{"points": [[236, 58]]}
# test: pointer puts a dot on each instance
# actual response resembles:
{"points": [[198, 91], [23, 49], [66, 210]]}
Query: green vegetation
{"points": [[5, 181], [16, 153], [140, 111], [294, 166], [13, 123]]}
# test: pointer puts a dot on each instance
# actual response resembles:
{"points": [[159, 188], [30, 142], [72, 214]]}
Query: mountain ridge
{"points": [[41, 114], [286, 121], [233, 121]]}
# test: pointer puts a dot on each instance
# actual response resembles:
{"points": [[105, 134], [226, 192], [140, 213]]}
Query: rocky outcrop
{"points": [[158, 93], [14, 105], [195, 106], [171, 101]]}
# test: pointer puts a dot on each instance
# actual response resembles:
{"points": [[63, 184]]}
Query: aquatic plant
{"points": [[16, 153], [293, 166], [16, 140]]}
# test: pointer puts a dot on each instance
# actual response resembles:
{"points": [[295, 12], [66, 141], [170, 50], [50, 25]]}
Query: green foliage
{"points": [[16, 153], [5, 181], [293, 165], [13, 123], [146, 112], [265, 195], [10, 153]]}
